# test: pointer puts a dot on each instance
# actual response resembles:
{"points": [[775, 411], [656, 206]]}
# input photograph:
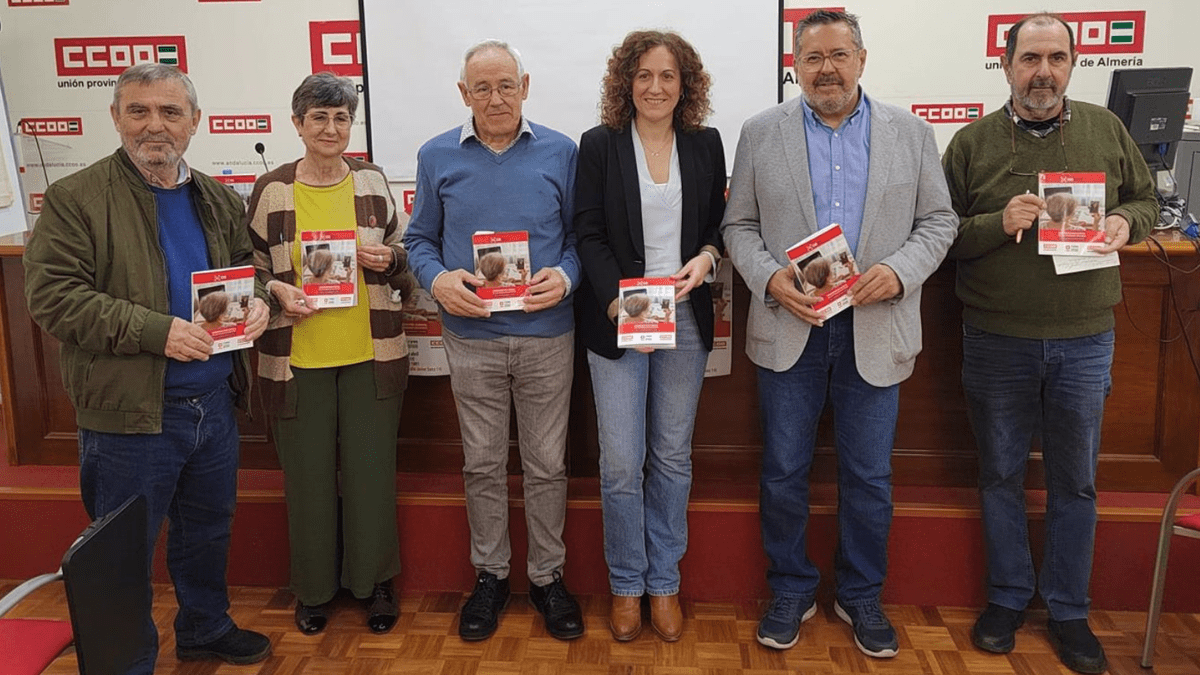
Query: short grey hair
{"points": [[484, 45], [324, 90], [149, 73], [822, 17]]}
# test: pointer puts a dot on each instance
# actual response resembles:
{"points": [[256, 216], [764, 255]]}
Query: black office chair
{"points": [[106, 576]]}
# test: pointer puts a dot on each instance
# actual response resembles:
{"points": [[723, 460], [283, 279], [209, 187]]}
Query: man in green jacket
{"points": [[108, 273], [1038, 346]]}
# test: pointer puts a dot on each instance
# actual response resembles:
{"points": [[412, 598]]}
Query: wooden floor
{"points": [[718, 640]]}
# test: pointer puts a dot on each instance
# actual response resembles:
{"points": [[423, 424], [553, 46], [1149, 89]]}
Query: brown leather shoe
{"points": [[625, 620], [666, 618]]}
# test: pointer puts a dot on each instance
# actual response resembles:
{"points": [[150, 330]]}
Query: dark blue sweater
{"points": [[185, 251]]}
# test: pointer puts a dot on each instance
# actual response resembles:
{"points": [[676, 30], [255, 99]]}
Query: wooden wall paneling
{"points": [[583, 434], [429, 433], [727, 443], [1151, 416], [1179, 396], [6, 378], [258, 448], [934, 443], [45, 421]]}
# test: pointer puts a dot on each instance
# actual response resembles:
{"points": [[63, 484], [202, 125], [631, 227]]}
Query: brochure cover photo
{"points": [[647, 314], [330, 268], [1073, 221], [220, 303], [502, 264], [825, 268]]}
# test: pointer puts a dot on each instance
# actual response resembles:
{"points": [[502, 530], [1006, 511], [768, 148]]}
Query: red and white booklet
{"points": [[329, 267], [1073, 221], [825, 268], [647, 313], [220, 303], [502, 264]]}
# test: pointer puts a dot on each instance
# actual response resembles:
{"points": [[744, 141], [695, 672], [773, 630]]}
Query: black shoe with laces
{"points": [[382, 610], [1077, 646], [481, 613], [996, 628], [237, 646], [564, 619]]}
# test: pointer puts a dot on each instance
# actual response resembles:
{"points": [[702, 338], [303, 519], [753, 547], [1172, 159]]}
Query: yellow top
{"points": [[334, 336]]}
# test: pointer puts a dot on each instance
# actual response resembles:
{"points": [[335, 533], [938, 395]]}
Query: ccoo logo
{"points": [[239, 124], [335, 47], [51, 126], [1121, 32], [948, 113], [81, 57]]}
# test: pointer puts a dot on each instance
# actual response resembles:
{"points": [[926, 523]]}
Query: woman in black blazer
{"points": [[649, 197]]}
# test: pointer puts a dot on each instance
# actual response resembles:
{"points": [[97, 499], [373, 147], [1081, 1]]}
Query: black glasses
{"points": [[811, 63], [1062, 144]]}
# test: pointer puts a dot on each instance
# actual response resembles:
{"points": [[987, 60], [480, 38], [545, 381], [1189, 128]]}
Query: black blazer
{"points": [[608, 224]]}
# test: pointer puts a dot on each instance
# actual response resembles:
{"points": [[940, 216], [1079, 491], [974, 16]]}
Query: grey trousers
{"points": [[535, 375]]}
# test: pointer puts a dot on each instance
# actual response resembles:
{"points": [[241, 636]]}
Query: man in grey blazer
{"points": [[833, 156]]}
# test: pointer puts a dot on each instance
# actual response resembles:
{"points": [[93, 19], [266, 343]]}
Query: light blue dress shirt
{"points": [[837, 164]]}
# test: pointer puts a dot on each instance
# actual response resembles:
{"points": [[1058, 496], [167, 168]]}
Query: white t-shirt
{"points": [[662, 213]]}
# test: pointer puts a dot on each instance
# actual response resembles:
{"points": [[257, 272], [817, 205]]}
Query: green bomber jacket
{"points": [[95, 279]]}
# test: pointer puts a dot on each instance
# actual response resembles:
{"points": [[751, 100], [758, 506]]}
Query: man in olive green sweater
{"points": [[1038, 346]]}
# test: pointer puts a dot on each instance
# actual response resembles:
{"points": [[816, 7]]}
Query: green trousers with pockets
{"points": [[342, 437]]}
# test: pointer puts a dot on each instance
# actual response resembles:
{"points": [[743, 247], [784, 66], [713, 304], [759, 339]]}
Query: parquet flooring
{"points": [[718, 640]]}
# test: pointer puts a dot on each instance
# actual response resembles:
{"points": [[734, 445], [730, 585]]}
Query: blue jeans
{"points": [[864, 419], [1017, 388], [189, 475], [646, 410]]}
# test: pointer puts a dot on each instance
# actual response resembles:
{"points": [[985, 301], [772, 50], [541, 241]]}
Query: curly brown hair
{"points": [[616, 103]]}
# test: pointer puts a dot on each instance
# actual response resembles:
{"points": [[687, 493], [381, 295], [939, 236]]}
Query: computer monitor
{"points": [[1151, 103]]}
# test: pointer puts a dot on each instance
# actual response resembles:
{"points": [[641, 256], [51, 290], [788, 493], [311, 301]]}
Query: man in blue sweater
{"points": [[499, 172], [108, 273]]}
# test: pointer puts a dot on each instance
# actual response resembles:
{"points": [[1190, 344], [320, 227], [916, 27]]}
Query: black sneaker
{"points": [[481, 613], [237, 646], [382, 610], [558, 607], [1077, 646], [873, 633], [995, 630]]}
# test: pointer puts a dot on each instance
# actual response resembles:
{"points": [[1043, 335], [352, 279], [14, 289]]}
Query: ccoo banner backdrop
{"points": [[60, 58]]}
